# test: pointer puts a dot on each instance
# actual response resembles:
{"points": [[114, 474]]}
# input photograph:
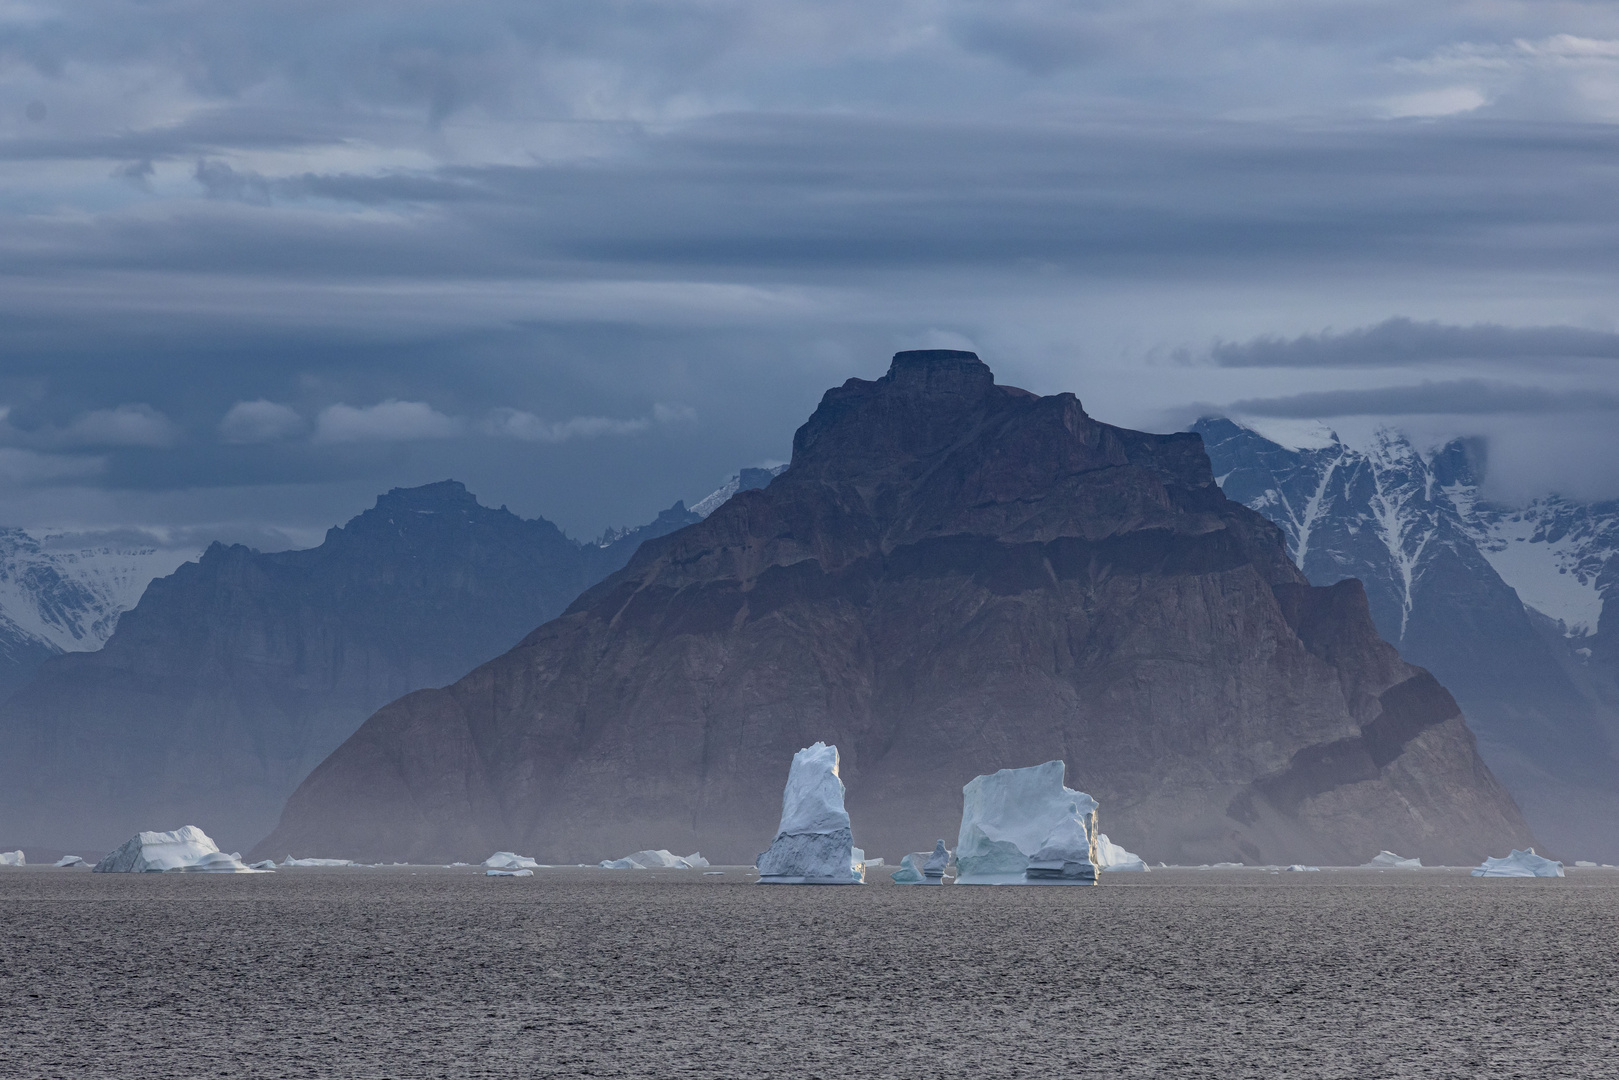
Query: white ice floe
{"points": [[290, 861], [1300, 867], [186, 850], [12, 858], [1111, 856], [525, 872], [506, 860], [1022, 826], [71, 860], [814, 844], [1519, 864], [1387, 860], [266, 864], [658, 859], [1583, 862]]}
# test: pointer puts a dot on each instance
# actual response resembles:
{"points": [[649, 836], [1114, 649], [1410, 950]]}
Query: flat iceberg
{"points": [[814, 844], [1022, 826], [659, 860], [506, 860], [1387, 860], [524, 872], [71, 860], [187, 850], [290, 861], [1112, 857], [1300, 868], [12, 858], [1519, 864]]}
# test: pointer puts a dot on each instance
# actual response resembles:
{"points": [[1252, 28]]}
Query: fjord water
{"points": [[361, 973]]}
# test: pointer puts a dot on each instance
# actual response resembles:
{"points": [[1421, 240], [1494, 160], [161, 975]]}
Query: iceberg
{"points": [[1022, 826], [1301, 868], [1519, 864], [923, 868], [71, 860], [267, 864], [524, 872], [505, 860], [908, 873], [290, 861], [649, 860], [12, 858], [1112, 857], [1387, 860], [187, 850], [814, 844]]}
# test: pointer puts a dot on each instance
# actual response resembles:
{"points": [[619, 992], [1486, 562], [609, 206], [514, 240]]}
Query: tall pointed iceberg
{"points": [[813, 845], [1023, 827]]}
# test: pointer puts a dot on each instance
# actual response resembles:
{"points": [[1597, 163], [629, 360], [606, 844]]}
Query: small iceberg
{"points": [[656, 860], [814, 844], [1519, 864], [1113, 857], [923, 868], [506, 860], [71, 860], [267, 864], [1585, 864], [1300, 868], [12, 858], [187, 850], [1387, 860], [290, 861], [524, 872], [1023, 827]]}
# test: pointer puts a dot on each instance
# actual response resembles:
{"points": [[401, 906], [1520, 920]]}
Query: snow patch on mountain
{"points": [[746, 480], [66, 591], [1558, 555]]}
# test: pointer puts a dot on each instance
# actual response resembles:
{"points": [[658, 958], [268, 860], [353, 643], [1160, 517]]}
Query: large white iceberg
{"points": [[1387, 860], [659, 859], [185, 850], [506, 860], [1023, 827], [1111, 856], [1520, 864], [12, 858], [814, 844]]}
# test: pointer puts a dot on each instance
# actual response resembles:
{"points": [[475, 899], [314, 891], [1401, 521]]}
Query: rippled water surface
{"points": [[439, 973]]}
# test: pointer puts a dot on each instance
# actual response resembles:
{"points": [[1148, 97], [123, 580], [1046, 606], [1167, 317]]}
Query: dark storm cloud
{"points": [[1476, 397], [1404, 341]]}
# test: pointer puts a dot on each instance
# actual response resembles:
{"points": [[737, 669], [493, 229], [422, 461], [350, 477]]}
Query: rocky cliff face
{"points": [[950, 577], [1503, 603], [238, 673]]}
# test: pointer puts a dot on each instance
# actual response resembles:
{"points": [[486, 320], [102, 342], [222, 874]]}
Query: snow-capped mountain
{"points": [[59, 593], [1503, 604], [746, 480]]}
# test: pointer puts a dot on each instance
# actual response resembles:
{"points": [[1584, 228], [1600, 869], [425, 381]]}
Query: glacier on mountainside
{"points": [[1022, 826], [12, 858], [1519, 864], [814, 844], [1387, 860], [1111, 856], [656, 859], [184, 850], [506, 860]]}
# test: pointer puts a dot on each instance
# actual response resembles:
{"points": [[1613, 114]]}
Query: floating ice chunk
{"points": [[290, 861], [71, 860], [908, 873], [937, 863], [1582, 862], [525, 872], [505, 860], [267, 864], [659, 859], [1519, 864], [186, 850], [873, 864], [1387, 860], [1022, 826], [12, 858], [1300, 867], [1113, 857], [813, 845], [713, 873]]}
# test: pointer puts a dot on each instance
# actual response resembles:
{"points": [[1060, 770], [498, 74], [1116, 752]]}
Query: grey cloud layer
{"points": [[1401, 341], [1476, 397]]}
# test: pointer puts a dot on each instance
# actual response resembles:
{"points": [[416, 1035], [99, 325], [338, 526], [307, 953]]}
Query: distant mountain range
{"points": [[236, 674], [60, 594], [1513, 607]]}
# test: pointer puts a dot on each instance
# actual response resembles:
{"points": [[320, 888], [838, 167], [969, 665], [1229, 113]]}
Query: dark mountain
{"points": [[950, 577], [1435, 557], [236, 674]]}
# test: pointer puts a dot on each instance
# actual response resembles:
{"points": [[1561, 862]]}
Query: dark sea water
{"points": [[1181, 973]]}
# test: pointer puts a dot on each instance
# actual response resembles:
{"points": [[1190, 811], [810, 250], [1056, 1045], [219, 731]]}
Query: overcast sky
{"points": [[261, 261]]}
